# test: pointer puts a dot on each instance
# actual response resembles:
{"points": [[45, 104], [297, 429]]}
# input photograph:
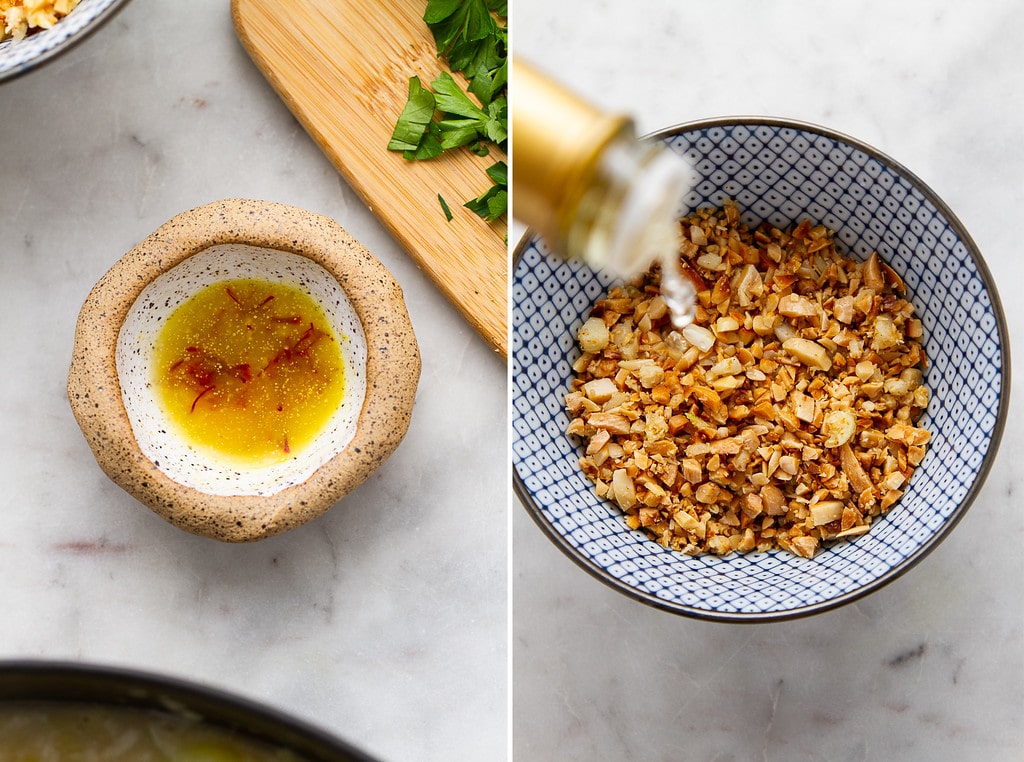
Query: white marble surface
{"points": [[932, 666], [385, 620]]}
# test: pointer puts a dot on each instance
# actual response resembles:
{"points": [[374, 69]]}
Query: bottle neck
{"points": [[583, 181], [558, 141], [628, 218]]}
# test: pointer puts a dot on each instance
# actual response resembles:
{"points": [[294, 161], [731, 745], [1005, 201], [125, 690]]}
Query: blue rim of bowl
{"points": [[64, 682], [64, 42], [531, 506]]}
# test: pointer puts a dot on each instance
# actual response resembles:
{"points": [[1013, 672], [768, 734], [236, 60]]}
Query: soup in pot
{"points": [[50, 732]]}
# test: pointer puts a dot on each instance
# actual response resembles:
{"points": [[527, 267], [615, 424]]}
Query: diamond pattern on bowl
{"points": [[780, 172]]}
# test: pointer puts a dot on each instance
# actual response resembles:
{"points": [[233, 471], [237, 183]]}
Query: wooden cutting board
{"points": [[342, 67]]}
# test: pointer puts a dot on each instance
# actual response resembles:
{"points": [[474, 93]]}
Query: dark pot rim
{"points": [[71, 682]]}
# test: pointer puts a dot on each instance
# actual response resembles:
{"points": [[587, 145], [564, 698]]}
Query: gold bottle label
{"points": [[557, 141]]}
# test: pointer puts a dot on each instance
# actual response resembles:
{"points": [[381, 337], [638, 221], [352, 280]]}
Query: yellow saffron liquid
{"points": [[250, 370]]}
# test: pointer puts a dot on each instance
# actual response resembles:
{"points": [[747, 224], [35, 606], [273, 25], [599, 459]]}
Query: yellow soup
{"points": [[249, 370], [73, 732]]}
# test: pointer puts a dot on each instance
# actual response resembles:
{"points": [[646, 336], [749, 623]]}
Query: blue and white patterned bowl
{"points": [[18, 57], [781, 172]]}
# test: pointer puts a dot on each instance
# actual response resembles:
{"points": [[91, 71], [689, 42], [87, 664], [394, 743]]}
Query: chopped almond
{"points": [[784, 416]]}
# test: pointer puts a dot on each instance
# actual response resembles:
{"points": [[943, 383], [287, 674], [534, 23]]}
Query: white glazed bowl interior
{"points": [[781, 172], [18, 57], [153, 431]]}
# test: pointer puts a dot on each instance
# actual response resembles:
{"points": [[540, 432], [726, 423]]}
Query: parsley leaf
{"points": [[493, 202], [417, 114], [445, 208], [451, 100], [459, 27], [471, 40]]}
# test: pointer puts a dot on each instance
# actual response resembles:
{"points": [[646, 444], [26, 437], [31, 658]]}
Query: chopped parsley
{"points": [[493, 202], [445, 208], [472, 38]]}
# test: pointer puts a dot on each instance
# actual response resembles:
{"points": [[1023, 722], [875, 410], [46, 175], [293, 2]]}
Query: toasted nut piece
{"points": [[655, 426], [803, 406], [614, 422], [593, 335], [889, 499], [854, 531], [842, 309], [719, 545], [729, 366], [894, 480], [699, 336], [749, 286], [711, 261], [810, 353], [623, 489], [796, 306], [908, 435], [748, 542], [826, 511], [865, 370], [805, 545], [658, 308], [707, 493], [871, 439], [788, 465], [687, 522], [838, 427], [721, 292], [727, 446], [661, 394], [873, 390], [921, 396], [784, 331], [886, 335], [752, 505], [725, 324], [773, 499], [913, 377], [872, 274], [895, 386], [600, 390], [727, 383], [649, 516], [854, 470], [598, 441], [691, 470], [651, 375], [574, 402], [708, 398], [677, 423], [763, 325]]}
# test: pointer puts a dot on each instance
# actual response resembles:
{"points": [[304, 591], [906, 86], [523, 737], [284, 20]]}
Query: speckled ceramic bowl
{"points": [[781, 172], [110, 381], [62, 683], [20, 56]]}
